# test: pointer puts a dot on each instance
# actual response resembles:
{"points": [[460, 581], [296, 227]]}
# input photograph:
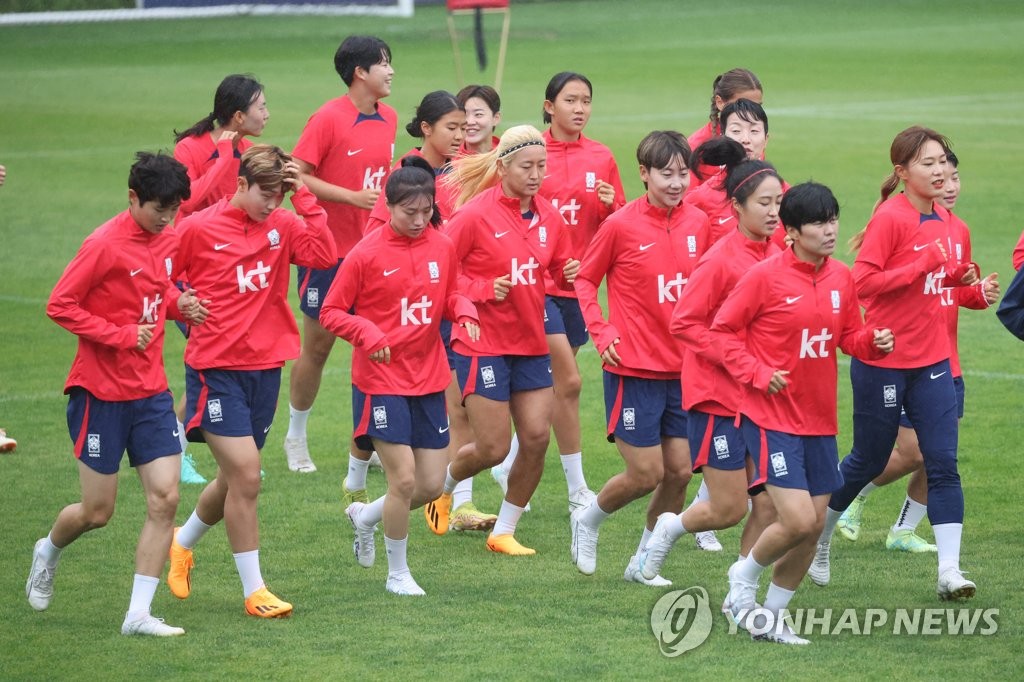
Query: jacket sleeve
{"points": [[312, 244], [870, 273], [341, 297], [1011, 308], [729, 329], [855, 339], [458, 307], [202, 186], [563, 252], [690, 323], [461, 230], [593, 268]]}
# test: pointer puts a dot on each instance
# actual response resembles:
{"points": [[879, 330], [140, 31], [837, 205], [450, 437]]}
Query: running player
{"points": [[113, 296], [582, 182], [728, 87], [483, 114], [345, 152], [237, 253], [902, 263], [504, 234], [398, 282], [646, 250]]}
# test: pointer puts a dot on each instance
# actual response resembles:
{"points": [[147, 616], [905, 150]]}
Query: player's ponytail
{"points": [[235, 93], [725, 89], [718, 151], [473, 174]]}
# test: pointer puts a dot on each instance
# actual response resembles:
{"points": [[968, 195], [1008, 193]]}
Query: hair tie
{"points": [[516, 147], [754, 174]]}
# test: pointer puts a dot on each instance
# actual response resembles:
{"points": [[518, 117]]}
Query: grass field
{"points": [[840, 80]]}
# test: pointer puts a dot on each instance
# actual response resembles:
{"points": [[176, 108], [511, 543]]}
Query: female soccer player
{"points": [[237, 253], [113, 296], [582, 183], [711, 396], [483, 114], [398, 282], [646, 251], [728, 87], [505, 238], [902, 264]]}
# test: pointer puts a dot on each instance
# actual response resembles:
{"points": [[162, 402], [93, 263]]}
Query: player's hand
{"points": [[570, 270], [382, 356], [365, 199], [502, 285], [192, 308], [778, 382], [473, 329], [145, 335], [971, 277], [226, 134], [611, 356], [605, 193], [884, 340], [292, 177], [3, 174], [990, 288]]}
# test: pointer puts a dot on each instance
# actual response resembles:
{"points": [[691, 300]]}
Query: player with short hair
{"points": [[345, 152], [113, 296], [483, 114], [237, 254], [646, 251]]}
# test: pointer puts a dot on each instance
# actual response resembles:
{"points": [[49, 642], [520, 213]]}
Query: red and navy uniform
{"points": [[710, 197], [212, 170], [444, 197], [1018, 253]]}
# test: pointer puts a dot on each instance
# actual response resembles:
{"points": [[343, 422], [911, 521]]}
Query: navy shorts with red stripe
{"points": [[715, 442], [416, 421], [313, 286], [497, 377], [230, 402], [641, 412], [562, 315], [786, 460], [102, 430]]}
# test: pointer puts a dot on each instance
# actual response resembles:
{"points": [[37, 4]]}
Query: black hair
{"points": [[236, 92], [746, 109], [159, 177], [359, 51], [729, 84], [951, 158], [718, 151], [743, 179], [808, 202], [558, 83], [659, 147], [485, 92], [414, 178], [434, 106]]}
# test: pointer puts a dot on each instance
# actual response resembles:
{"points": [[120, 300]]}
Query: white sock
{"points": [[777, 598], [947, 539], [675, 528], [513, 452], [508, 517], [449, 482], [831, 519], [248, 565], [750, 570], [644, 537], [143, 591], [572, 465], [462, 492], [50, 552], [297, 422], [868, 489], [702, 493], [372, 513], [356, 478], [593, 516], [910, 516], [193, 530], [182, 441], [396, 549]]}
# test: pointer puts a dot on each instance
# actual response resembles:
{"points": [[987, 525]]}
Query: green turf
{"points": [[840, 80]]}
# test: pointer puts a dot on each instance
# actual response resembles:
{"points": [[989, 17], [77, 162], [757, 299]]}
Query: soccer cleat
{"points": [[364, 546], [658, 546], [507, 544], [438, 512], [908, 541], [583, 547], [742, 597], [580, 498], [633, 575], [500, 476], [820, 570], [707, 541], [7, 444], [39, 587], [263, 604], [189, 474], [849, 522], [148, 625], [297, 452], [781, 633], [350, 496], [374, 461], [467, 517], [403, 584], [179, 573], [953, 586]]}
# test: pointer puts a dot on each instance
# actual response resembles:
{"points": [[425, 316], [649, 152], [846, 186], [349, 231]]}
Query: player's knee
{"points": [[647, 477], [401, 484], [533, 441], [677, 475], [99, 516], [569, 386], [730, 511], [162, 504]]}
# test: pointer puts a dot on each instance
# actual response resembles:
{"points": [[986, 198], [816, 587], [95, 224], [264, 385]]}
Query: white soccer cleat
{"points": [[781, 633], [148, 625], [580, 498], [584, 544], [633, 575], [500, 477], [39, 587], [742, 597], [364, 546], [374, 461], [7, 444], [820, 570], [707, 541], [403, 584], [297, 452], [658, 546], [953, 586]]}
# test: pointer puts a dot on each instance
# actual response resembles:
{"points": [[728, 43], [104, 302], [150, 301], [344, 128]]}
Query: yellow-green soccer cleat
{"points": [[849, 522], [467, 517]]}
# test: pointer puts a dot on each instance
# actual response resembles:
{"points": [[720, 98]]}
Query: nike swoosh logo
{"points": [[918, 247], [353, 152], [388, 273], [221, 247], [644, 247], [790, 300], [267, 430], [135, 272], [499, 235], [444, 430], [175, 434], [723, 221], [936, 376]]}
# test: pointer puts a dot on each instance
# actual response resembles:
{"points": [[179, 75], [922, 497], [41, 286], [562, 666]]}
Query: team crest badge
{"points": [[542, 234], [487, 375], [591, 180], [274, 237], [213, 409], [380, 417], [628, 418], [312, 297], [169, 264], [779, 464], [93, 444], [835, 301], [889, 395], [435, 272], [721, 447]]}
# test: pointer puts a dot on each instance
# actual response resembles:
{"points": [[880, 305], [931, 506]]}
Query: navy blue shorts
{"points": [[446, 339], [785, 460], [641, 412], [497, 377], [562, 315], [102, 430], [715, 442], [313, 287], [231, 402], [958, 386], [416, 421]]}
